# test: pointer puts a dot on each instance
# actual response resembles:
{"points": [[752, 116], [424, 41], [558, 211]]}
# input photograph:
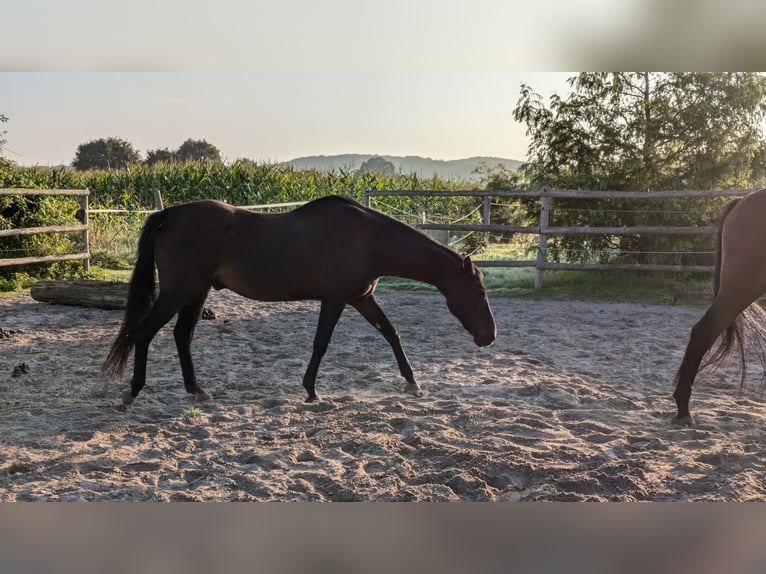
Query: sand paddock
{"points": [[573, 402]]}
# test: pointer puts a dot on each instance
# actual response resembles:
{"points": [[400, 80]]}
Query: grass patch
{"points": [[618, 286], [693, 290], [103, 274]]}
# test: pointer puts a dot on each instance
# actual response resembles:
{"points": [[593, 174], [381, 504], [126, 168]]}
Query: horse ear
{"points": [[468, 264]]}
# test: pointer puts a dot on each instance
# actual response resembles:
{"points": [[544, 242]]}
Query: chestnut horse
{"points": [[740, 279], [331, 249]]}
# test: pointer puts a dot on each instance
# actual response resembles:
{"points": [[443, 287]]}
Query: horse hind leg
{"points": [[703, 335], [162, 311], [369, 309], [183, 333]]}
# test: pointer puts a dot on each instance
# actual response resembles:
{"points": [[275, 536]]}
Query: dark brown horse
{"points": [[740, 279], [331, 249]]}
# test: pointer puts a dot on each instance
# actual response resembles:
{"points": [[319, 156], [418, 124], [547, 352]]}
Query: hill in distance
{"points": [[457, 169]]}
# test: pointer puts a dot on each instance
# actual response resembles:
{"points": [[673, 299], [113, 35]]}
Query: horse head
{"points": [[467, 300]]}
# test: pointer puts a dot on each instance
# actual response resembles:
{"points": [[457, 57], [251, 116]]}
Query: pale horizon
{"points": [[273, 81], [270, 116]]}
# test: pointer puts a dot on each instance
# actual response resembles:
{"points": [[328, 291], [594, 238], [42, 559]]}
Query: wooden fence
{"points": [[543, 230], [82, 228]]}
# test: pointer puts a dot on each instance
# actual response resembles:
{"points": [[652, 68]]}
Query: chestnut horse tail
{"points": [[141, 298], [753, 318]]}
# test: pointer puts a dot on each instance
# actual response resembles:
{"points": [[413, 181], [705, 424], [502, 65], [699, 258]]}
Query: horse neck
{"points": [[415, 256]]}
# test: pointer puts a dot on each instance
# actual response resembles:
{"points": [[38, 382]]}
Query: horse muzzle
{"points": [[483, 341]]}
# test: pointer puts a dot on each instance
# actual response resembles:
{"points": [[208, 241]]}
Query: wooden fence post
{"points": [[158, 200], [542, 245], [85, 235], [486, 207]]}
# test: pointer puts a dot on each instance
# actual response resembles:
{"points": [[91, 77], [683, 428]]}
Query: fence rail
{"points": [[82, 215], [543, 230], [84, 227]]}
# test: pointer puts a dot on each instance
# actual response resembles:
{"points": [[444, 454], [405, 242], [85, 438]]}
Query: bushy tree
{"points": [[643, 131], [378, 165], [197, 150], [109, 153], [156, 156]]}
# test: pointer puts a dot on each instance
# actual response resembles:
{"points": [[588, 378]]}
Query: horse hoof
{"points": [[201, 396], [683, 421], [127, 398], [312, 398], [413, 389]]}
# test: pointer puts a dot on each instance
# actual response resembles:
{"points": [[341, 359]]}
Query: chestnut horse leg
{"points": [[369, 309], [704, 333], [330, 312], [183, 333]]}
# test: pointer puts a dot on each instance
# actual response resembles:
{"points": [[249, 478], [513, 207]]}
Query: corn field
{"points": [[241, 183]]}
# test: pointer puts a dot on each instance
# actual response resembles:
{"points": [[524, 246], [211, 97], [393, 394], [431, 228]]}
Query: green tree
{"points": [[109, 153], [378, 165], [646, 131], [643, 131], [156, 156], [197, 150]]}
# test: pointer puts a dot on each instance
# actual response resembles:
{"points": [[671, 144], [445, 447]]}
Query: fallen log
{"points": [[88, 293], [82, 293]]}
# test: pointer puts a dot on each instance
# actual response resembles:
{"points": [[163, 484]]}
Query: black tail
{"points": [[140, 298], [753, 318]]}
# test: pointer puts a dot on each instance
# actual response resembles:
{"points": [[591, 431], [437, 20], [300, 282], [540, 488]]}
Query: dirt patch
{"points": [[573, 402]]}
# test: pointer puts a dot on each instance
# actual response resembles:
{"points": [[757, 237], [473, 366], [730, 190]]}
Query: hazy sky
{"points": [[270, 116], [276, 79]]}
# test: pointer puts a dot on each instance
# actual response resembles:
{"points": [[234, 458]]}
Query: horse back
{"points": [[322, 248]]}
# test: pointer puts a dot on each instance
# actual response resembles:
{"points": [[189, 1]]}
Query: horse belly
{"points": [[269, 286], [288, 263]]}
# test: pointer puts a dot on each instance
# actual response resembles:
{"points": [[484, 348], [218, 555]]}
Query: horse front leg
{"points": [[329, 314], [369, 309]]}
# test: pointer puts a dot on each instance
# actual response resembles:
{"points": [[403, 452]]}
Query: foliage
{"points": [[378, 165], [156, 156], [36, 211], [197, 150], [113, 239], [241, 183], [109, 153], [643, 132], [509, 211]]}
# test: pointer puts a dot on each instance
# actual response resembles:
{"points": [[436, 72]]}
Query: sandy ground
{"points": [[572, 403]]}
